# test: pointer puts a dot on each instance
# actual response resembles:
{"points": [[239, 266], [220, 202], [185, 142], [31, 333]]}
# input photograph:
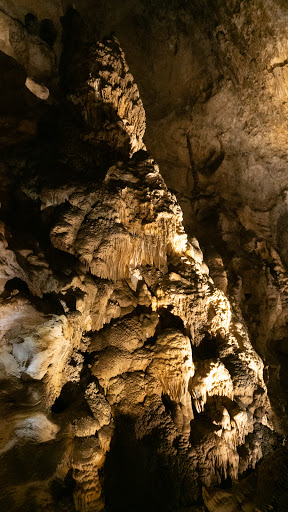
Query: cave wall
{"points": [[140, 371]]}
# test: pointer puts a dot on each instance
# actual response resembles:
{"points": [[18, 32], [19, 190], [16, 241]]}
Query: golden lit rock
{"points": [[141, 369]]}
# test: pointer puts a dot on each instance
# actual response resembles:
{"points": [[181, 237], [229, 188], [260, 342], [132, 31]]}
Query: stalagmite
{"points": [[128, 378]]}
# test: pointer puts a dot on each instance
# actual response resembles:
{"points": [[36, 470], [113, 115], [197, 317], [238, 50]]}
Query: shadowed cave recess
{"points": [[143, 256]]}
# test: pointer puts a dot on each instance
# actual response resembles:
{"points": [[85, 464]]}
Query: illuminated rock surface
{"points": [[137, 374]]}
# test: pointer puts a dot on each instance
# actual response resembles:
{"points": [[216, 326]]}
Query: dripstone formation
{"points": [[130, 379]]}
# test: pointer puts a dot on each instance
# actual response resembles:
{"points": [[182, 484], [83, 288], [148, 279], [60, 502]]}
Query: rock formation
{"points": [[136, 373]]}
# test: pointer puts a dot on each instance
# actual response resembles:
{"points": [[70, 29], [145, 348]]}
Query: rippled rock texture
{"points": [[137, 374]]}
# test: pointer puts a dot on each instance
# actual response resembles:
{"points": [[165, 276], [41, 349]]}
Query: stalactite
{"points": [[211, 379]]}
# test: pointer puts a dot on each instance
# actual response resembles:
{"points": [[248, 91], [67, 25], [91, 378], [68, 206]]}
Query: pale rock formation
{"points": [[29, 50], [39, 90], [173, 366], [211, 379]]}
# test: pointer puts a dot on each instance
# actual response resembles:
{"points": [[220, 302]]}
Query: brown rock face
{"points": [[136, 373]]}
